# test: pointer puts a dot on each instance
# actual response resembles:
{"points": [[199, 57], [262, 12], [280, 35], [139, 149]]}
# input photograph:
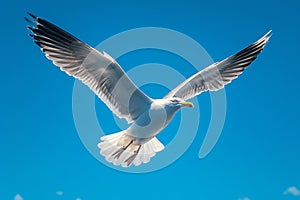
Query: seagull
{"points": [[105, 77]]}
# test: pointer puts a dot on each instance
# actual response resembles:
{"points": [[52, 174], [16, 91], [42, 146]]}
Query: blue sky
{"points": [[257, 156]]}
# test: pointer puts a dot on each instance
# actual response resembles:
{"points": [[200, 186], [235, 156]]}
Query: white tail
{"points": [[122, 149]]}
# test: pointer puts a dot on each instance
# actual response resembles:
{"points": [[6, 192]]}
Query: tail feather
{"points": [[135, 153], [156, 145], [111, 136]]}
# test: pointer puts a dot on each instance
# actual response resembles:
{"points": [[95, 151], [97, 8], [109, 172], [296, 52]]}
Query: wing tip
{"points": [[267, 36], [32, 15], [31, 19], [269, 33]]}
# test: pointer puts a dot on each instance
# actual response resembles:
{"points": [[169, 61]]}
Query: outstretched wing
{"points": [[217, 75], [100, 72]]}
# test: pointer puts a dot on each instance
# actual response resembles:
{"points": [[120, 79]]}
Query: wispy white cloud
{"points": [[244, 198], [59, 193], [292, 190], [18, 197], [77, 199]]}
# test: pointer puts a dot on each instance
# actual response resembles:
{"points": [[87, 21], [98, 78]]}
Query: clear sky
{"points": [[257, 156]]}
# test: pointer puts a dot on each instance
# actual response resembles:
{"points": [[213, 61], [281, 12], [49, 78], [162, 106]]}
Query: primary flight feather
{"points": [[105, 77]]}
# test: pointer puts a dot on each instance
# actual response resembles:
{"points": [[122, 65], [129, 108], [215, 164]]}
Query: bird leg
{"points": [[119, 152], [129, 160]]}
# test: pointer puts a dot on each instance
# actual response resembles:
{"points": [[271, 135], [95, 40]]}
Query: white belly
{"points": [[149, 124]]}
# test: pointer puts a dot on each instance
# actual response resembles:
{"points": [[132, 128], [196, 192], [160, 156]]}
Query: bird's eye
{"points": [[174, 101]]}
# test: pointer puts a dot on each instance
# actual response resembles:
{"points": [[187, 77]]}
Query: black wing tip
{"points": [[261, 43], [30, 28], [32, 15], [27, 20], [31, 19], [265, 39]]}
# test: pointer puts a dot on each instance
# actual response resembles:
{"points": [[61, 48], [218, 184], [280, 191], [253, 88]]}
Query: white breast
{"points": [[156, 119]]}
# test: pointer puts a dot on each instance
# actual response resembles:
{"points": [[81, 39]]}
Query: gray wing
{"points": [[101, 73], [217, 75]]}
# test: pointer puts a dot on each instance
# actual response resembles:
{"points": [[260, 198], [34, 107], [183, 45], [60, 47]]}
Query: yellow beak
{"points": [[189, 104]]}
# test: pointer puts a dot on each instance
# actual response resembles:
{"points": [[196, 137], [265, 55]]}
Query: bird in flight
{"points": [[105, 77]]}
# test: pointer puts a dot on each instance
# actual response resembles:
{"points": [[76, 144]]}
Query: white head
{"points": [[179, 103], [173, 104]]}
